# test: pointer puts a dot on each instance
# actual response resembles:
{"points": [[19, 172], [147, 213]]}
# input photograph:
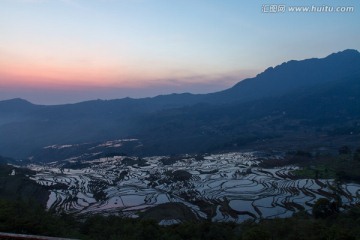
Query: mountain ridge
{"points": [[350, 55]]}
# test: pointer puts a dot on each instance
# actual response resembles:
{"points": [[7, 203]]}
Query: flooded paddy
{"points": [[222, 187]]}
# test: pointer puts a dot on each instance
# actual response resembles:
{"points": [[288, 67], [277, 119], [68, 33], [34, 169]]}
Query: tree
{"points": [[357, 154], [256, 233], [344, 150], [323, 208]]}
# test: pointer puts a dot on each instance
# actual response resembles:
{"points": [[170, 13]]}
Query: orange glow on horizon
{"points": [[48, 76]]}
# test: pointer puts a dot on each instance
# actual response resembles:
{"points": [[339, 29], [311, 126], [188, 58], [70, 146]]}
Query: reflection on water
{"points": [[232, 182]]}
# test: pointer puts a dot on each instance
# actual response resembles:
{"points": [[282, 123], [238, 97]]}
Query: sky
{"points": [[66, 51]]}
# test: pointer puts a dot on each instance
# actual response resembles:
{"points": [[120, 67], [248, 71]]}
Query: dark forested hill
{"points": [[313, 102], [325, 115]]}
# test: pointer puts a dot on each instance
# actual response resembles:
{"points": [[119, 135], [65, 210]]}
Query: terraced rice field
{"points": [[224, 187]]}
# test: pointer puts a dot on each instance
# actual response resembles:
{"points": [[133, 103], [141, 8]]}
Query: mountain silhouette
{"points": [[292, 75], [295, 100]]}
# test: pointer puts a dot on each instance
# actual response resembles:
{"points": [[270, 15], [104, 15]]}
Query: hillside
{"points": [[327, 115]]}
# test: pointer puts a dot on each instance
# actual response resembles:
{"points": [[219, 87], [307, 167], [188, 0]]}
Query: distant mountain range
{"points": [[311, 103]]}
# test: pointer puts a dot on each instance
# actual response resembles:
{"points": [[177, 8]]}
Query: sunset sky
{"points": [[64, 51]]}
